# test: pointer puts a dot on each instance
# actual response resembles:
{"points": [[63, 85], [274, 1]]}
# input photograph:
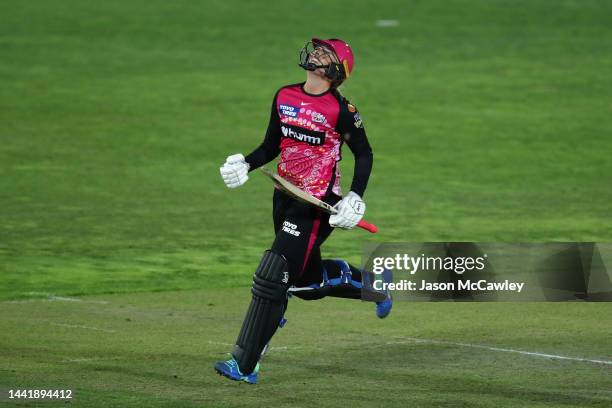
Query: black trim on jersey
{"points": [[353, 133]]}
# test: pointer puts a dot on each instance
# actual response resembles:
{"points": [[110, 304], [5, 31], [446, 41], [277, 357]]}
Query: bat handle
{"points": [[367, 226]]}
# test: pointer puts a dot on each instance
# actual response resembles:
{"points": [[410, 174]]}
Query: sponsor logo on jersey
{"points": [[305, 103], [318, 117], [291, 229], [358, 121], [311, 137], [288, 110]]}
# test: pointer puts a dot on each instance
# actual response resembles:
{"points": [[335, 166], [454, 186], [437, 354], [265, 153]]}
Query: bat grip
{"points": [[367, 226]]}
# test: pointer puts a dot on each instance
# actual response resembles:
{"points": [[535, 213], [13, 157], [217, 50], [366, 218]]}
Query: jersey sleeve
{"points": [[270, 147], [350, 126]]}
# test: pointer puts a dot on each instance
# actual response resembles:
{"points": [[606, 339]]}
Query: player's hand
{"points": [[350, 211], [234, 171]]}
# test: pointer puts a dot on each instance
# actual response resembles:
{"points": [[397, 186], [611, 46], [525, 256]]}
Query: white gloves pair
{"points": [[234, 171], [350, 211], [351, 208]]}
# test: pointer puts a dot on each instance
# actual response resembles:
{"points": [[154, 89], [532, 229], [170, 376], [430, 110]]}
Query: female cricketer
{"points": [[308, 125]]}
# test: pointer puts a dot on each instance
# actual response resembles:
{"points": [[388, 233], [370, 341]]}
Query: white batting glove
{"points": [[350, 211], [234, 171]]}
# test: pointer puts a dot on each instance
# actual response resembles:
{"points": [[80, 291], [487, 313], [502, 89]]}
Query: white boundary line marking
{"points": [[85, 360], [387, 23], [271, 348], [69, 299], [406, 340], [410, 340], [52, 298], [78, 326]]}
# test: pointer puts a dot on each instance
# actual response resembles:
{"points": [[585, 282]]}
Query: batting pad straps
{"points": [[271, 279]]}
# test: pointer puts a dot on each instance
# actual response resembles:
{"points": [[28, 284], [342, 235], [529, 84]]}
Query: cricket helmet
{"points": [[336, 72]]}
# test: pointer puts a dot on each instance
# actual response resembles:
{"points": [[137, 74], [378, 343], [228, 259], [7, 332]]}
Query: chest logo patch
{"points": [[318, 117], [288, 110], [311, 137]]}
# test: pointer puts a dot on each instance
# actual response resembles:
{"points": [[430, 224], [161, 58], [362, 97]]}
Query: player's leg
{"points": [[338, 278], [297, 235], [300, 230], [333, 277], [348, 281], [269, 297]]}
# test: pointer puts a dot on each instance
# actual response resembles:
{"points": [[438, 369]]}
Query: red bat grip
{"points": [[367, 226]]}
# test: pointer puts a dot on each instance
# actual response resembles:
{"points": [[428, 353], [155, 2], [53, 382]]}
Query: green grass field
{"points": [[490, 121]]}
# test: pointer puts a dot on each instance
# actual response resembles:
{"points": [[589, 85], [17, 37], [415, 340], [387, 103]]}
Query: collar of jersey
{"points": [[309, 94]]}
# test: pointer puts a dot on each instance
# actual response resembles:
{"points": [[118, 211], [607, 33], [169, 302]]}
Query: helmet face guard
{"points": [[335, 72]]}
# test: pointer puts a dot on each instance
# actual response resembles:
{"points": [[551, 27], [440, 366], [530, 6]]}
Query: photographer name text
{"points": [[423, 285]]}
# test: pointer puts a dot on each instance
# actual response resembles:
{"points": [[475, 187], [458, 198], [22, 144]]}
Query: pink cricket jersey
{"points": [[310, 144]]}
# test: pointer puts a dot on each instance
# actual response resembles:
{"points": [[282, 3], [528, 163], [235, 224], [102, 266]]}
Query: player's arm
{"points": [[360, 146], [236, 168], [351, 208], [270, 147], [354, 134]]}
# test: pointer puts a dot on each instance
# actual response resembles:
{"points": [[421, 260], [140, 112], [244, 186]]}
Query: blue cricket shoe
{"points": [[383, 308], [230, 370]]}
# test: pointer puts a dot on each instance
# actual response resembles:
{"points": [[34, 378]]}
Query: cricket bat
{"points": [[303, 196]]}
